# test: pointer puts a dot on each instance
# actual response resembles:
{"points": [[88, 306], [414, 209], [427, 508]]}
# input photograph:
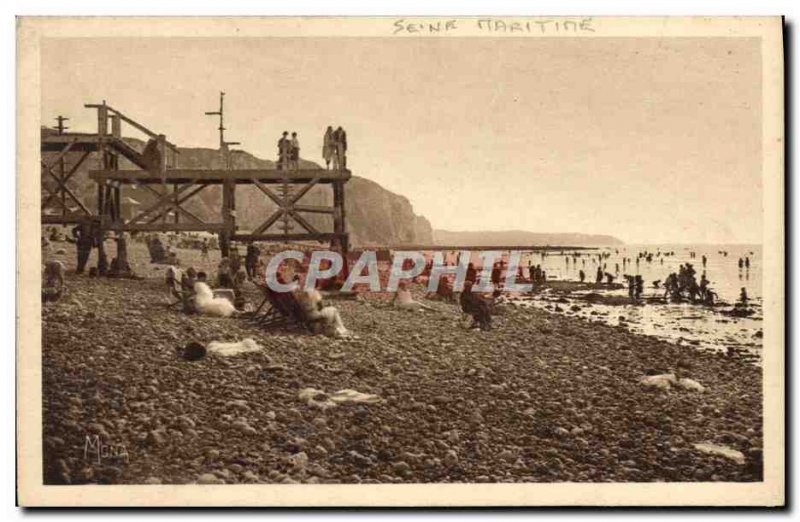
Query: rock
{"points": [[724, 451], [661, 382], [193, 351], [450, 458], [691, 384], [152, 480], [209, 478], [507, 456], [298, 460], [156, 438], [560, 432], [401, 467], [249, 476]]}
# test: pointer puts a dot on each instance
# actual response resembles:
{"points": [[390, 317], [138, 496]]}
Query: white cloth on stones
{"points": [[207, 304]]}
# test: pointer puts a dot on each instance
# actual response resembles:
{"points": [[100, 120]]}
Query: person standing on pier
{"points": [[328, 147], [294, 152], [284, 149], [340, 142]]}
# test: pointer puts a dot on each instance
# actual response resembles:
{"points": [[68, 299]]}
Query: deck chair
{"points": [[281, 309]]}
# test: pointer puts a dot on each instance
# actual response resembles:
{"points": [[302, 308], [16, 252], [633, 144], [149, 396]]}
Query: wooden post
{"points": [[227, 219], [339, 226], [102, 190]]}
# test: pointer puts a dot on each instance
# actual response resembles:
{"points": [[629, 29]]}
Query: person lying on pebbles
{"points": [[405, 301]]}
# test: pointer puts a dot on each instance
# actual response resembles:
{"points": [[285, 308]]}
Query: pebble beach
{"points": [[543, 397]]}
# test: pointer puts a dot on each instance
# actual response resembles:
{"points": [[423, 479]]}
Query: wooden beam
{"points": [[242, 176], [314, 209], [167, 227], [269, 222], [271, 195], [164, 199], [303, 223], [303, 191], [60, 155], [323, 237]]}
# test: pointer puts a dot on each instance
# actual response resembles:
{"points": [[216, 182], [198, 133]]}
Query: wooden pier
{"points": [[156, 171]]}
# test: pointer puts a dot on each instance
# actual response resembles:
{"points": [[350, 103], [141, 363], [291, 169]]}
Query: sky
{"points": [[651, 140]]}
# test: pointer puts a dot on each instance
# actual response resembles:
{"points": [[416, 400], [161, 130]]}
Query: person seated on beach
{"points": [[657, 283], [582, 275], [172, 258], [405, 301], [53, 285], [476, 307], [609, 278], [235, 261], [311, 304], [224, 274], [54, 235], [188, 279], [205, 302]]}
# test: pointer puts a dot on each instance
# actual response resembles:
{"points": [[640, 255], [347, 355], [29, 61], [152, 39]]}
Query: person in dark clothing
{"points": [[582, 275], [599, 278], [496, 273], [251, 259], [340, 144], [477, 307], [284, 151], [639, 281], [84, 240], [472, 274]]}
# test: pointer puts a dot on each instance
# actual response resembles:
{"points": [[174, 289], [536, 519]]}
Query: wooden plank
{"points": [[165, 199], [303, 191], [69, 219], [269, 222], [271, 195], [313, 209], [303, 223], [323, 237], [129, 121], [168, 227], [181, 200], [242, 176]]}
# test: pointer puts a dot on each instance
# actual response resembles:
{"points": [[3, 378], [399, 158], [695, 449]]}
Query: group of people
{"points": [[334, 149], [683, 284], [288, 151]]}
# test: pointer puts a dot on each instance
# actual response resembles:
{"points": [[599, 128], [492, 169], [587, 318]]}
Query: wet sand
{"points": [[541, 398]]}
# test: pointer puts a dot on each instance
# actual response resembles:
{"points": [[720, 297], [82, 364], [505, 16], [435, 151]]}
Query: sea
{"points": [[682, 323]]}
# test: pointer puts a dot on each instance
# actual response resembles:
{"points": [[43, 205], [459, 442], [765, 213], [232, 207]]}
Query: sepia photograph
{"points": [[501, 255]]}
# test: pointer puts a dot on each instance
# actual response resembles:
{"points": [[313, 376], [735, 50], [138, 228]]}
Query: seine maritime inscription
{"points": [[496, 25]]}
